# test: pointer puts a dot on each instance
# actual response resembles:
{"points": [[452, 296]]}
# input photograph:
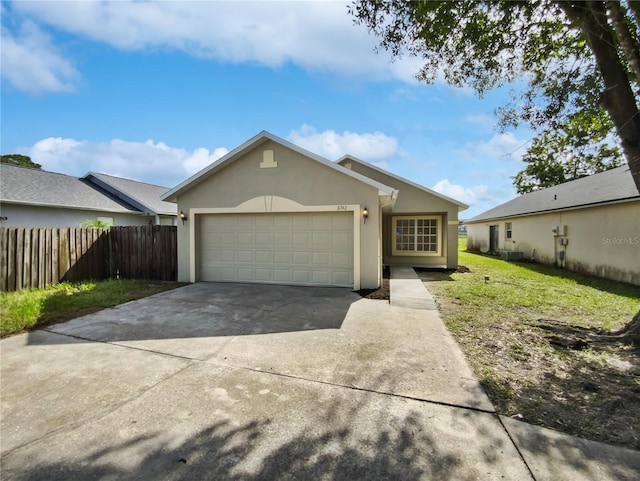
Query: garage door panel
{"points": [[342, 223], [227, 222], [263, 221], [323, 222], [321, 258], [227, 238], [246, 256], [264, 257], [228, 256], [302, 248], [282, 238], [282, 257], [303, 258], [221, 273], [301, 238], [246, 275], [264, 238], [341, 259], [264, 275], [340, 278], [301, 277], [246, 222], [321, 277], [282, 276], [301, 223], [246, 238], [321, 239], [282, 222], [342, 241]]}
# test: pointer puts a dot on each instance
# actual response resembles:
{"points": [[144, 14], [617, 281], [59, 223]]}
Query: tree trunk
{"points": [[618, 98], [634, 6], [619, 20], [631, 332]]}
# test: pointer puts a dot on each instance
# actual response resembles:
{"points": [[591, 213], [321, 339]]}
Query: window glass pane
{"points": [[416, 235]]}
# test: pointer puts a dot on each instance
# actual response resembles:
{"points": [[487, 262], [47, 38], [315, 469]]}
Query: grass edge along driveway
{"points": [[30, 309]]}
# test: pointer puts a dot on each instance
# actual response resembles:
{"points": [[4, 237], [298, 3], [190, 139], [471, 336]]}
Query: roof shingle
{"points": [[134, 192], [38, 187], [613, 185]]}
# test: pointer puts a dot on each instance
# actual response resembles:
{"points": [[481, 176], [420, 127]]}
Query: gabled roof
{"points": [[344, 158], [21, 185], [615, 185], [145, 197], [264, 136]]}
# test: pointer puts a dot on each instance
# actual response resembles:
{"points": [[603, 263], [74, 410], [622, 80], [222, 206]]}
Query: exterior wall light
{"points": [[183, 216], [365, 214]]}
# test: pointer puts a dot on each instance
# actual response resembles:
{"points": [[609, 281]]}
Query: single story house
{"points": [[589, 225], [36, 198], [272, 212]]}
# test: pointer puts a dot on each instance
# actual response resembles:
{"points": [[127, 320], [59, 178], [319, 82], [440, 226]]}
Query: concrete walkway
{"points": [[548, 455], [407, 290]]}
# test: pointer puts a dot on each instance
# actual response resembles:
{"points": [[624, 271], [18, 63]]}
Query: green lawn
{"points": [[33, 308], [511, 320], [531, 291]]}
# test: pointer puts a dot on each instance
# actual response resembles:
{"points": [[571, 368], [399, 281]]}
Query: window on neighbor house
{"points": [[507, 230], [416, 235]]}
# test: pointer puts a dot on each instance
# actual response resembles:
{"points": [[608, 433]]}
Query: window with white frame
{"points": [[416, 235], [508, 232]]}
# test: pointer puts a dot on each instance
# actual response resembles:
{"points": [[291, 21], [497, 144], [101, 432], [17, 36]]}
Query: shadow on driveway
{"points": [[215, 310], [242, 425]]}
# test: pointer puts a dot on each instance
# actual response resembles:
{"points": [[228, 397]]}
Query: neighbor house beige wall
{"points": [[21, 215], [603, 241], [414, 201], [297, 178]]}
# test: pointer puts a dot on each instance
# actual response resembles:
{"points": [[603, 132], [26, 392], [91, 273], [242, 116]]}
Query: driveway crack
{"points": [[356, 388]]}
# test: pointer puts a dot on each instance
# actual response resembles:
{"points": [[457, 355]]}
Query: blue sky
{"points": [[157, 91]]}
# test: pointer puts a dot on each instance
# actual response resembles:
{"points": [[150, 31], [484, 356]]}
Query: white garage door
{"points": [[301, 249]]}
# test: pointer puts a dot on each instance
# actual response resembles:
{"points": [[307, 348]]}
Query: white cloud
{"points": [[469, 195], [313, 35], [152, 162], [478, 197], [373, 147], [481, 119], [32, 64], [504, 145]]}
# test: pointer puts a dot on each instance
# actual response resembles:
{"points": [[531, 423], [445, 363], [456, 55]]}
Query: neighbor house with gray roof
{"points": [[589, 225], [36, 198]]}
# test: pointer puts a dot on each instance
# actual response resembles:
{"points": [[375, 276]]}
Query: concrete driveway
{"points": [[247, 382]]}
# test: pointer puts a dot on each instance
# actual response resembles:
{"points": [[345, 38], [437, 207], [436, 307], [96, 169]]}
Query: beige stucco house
{"points": [[272, 212], [589, 225]]}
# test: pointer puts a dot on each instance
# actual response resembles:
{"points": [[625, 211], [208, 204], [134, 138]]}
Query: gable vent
{"points": [[268, 161]]}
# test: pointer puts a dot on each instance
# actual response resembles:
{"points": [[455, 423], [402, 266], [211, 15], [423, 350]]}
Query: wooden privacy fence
{"points": [[39, 257]]}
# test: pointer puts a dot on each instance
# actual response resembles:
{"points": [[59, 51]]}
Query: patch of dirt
{"points": [[578, 380], [382, 293]]}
